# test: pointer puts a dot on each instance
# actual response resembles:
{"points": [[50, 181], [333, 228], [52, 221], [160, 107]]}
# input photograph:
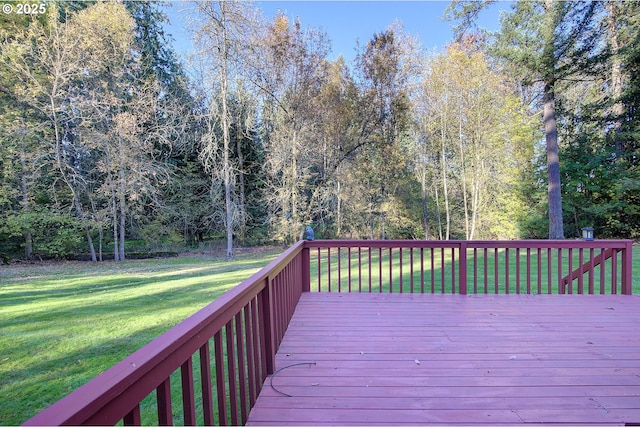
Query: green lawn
{"points": [[62, 324]]}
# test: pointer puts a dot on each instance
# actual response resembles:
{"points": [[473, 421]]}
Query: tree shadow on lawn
{"points": [[67, 287], [30, 389], [66, 340], [105, 309]]}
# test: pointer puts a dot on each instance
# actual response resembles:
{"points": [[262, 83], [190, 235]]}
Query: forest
{"points": [[108, 144]]}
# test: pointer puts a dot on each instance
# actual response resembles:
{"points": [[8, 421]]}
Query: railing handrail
{"points": [[185, 339], [527, 243]]}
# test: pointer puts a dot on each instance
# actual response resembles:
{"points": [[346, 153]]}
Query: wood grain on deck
{"points": [[395, 359]]}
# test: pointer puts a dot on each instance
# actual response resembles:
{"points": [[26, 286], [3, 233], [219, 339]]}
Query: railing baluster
{"points": [[369, 255], [188, 399], [329, 268], [339, 269], [304, 262], [207, 389], [133, 417], [528, 270], [258, 349], [244, 412], [349, 265], [486, 271], [506, 267], [517, 270], [223, 420], [570, 283], [602, 273], [163, 398], [231, 372], [591, 272], [422, 270], [277, 312], [580, 271], [411, 267], [433, 272], [495, 267], [400, 262], [319, 272], [539, 270], [561, 288], [359, 269], [627, 272], [475, 270], [249, 332], [462, 268], [390, 270], [549, 274], [453, 270], [614, 272], [294, 272], [380, 269], [442, 286]]}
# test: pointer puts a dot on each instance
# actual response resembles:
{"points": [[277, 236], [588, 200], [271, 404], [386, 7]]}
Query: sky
{"points": [[346, 22]]}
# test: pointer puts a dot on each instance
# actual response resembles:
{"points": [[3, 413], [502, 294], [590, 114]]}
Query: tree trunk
{"points": [[463, 178], [293, 185], [556, 229], [87, 229], [339, 210], [478, 178], [224, 89], [425, 213], [123, 213], [28, 238], [242, 210], [552, 20], [444, 183], [114, 215], [438, 213], [475, 207], [100, 240]]}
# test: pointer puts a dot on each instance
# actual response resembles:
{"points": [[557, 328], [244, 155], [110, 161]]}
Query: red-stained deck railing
{"points": [[210, 368], [494, 267], [218, 358]]}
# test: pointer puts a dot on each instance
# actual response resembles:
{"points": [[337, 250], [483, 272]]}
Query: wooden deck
{"points": [[394, 359]]}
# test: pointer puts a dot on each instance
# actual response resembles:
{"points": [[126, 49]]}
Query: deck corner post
{"points": [[306, 269], [627, 265], [462, 269], [268, 324]]}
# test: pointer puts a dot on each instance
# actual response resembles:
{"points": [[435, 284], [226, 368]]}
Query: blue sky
{"points": [[345, 22]]}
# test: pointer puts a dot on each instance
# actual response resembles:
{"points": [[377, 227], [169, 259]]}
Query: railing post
{"points": [[268, 325], [306, 269], [627, 262], [462, 269]]}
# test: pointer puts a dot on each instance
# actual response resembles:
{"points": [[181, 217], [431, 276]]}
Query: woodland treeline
{"points": [[107, 139]]}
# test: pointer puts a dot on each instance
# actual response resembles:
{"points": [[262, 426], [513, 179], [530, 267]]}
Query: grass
{"points": [[63, 323]]}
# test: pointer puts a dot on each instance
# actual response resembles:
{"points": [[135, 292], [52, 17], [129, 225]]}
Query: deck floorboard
{"points": [[413, 359]]}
